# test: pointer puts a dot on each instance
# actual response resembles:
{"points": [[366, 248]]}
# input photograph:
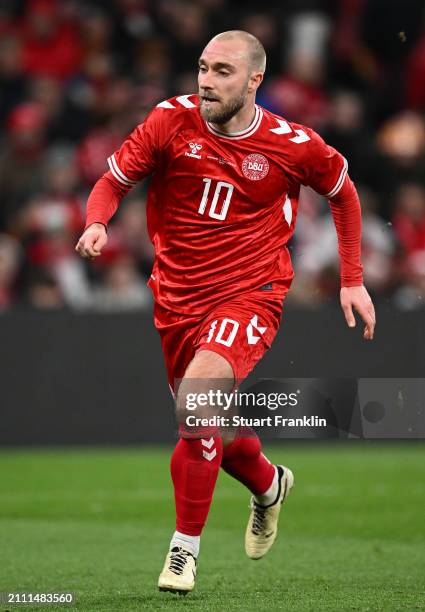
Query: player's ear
{"points": [[255, 81]]}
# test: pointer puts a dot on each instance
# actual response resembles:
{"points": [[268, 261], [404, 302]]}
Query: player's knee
{"points": [[196, 402], [204, 392], [199, 401], [198, 408], [193, 425]]}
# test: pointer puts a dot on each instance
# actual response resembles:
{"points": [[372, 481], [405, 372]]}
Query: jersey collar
{"points": [[243, 133]]}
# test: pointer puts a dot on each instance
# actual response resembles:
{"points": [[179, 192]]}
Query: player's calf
{"points": [[195, 464]]}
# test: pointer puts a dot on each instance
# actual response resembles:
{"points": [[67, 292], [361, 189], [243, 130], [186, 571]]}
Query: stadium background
{"points": [[75, 77], [80, 361]]}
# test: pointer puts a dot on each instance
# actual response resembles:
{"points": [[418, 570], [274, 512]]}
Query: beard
{"points": [[223, 111]]}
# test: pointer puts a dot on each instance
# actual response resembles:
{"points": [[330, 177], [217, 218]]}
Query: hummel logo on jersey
{"points": [[194, 148]]}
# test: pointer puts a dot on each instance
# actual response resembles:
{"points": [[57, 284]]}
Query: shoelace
{"points": [[258, 519], [178, 560]]}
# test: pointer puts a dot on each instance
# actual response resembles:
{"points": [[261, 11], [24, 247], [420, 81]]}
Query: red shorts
{"points": [[240, 329]]}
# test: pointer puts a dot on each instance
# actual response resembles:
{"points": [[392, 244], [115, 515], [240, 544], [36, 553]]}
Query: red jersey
{"points": [[221, 207]]}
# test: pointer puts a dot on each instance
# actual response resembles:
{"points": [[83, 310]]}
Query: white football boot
{"points": [[261, 530], [179, 572]]}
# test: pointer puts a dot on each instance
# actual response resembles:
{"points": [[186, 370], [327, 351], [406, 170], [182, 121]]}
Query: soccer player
{"points": [[222, 206]]}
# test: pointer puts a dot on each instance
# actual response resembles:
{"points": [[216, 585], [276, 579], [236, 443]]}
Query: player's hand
{"points": [[359, 299], [92, 241]]}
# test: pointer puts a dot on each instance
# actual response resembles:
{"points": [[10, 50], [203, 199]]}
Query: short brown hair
{"points": [[257, 54]]}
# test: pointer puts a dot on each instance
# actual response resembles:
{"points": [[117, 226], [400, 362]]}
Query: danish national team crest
{"points": [[255, 167]]}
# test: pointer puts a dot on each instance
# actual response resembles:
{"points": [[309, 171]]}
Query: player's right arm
{"points": [[136, 158]]}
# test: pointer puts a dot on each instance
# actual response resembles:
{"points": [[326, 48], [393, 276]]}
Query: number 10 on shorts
{"points": [[226, 332]]}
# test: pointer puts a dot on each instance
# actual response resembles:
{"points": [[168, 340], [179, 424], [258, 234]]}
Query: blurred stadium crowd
{"points": [[77, 75]]}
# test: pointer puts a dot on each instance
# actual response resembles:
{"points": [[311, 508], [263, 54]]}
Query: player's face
{"points": [[224, 80]]}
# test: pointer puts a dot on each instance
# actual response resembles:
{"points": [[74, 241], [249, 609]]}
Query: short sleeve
{"points": [[138, 155], [325, 168]]}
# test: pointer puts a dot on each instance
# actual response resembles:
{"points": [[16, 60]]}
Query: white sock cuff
{"points": [[188, 542]]}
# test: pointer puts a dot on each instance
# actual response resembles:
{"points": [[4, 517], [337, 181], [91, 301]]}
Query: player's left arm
{"points": [[327, 174], [346, 212]]}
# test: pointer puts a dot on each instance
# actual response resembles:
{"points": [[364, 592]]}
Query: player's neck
{"points": [[238, 122]]}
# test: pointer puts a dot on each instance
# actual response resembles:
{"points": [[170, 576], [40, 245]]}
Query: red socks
{"points": [[244, 460], [194, 469]]}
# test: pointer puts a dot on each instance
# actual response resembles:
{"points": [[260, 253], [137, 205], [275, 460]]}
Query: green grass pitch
{"points": [[98, 522]]}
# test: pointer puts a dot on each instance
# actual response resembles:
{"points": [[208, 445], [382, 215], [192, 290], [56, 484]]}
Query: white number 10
{"points": [[224, 207]]}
